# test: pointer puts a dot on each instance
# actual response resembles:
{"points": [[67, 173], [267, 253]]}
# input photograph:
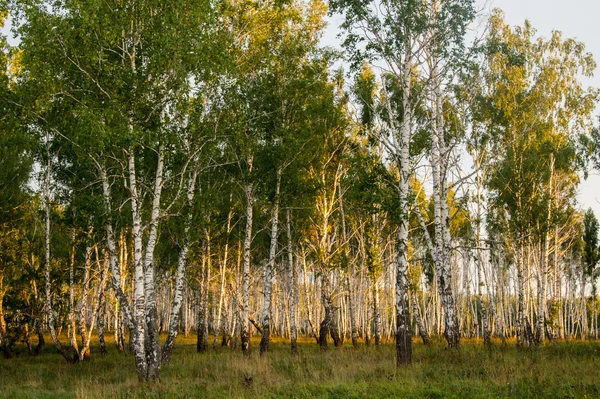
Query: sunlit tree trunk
{"points": [[223, 271], [244, 327], [49, 311], [443, 239], [293, 279], [403, 319], [266, 313], [181, 273], [72, 317]]}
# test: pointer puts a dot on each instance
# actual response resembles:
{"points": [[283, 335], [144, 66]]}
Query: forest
{"points": [[202, 190]]}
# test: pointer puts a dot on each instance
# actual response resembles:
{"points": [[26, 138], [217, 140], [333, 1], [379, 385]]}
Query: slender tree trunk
{"points": [[293, 279], [153, 356], [202, 302], [419, 319], [139, 334], [541, 314], [181, 272], [521, 320], [72, 321], [244, 327], [442, 217], [4, 344], [325, 326], [349, 273], [584, 318], [403, 319], [266, 314], [222, 274], [49, 311], [376, 319], [206, 291], [100, 317]]}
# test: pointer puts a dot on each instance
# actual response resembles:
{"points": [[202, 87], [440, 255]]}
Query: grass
{"points": [[562, 370]]}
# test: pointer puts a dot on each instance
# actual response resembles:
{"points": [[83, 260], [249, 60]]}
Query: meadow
{"points": [[559, 370]]}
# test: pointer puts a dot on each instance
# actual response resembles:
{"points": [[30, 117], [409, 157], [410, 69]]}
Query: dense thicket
{"points": [[201, 166]]}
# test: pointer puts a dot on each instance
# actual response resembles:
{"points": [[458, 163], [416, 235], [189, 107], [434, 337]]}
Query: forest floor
{"points": [[561, 370]]}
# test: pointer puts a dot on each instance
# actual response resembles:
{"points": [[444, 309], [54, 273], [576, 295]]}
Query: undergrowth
{"points": [[560, 370]]}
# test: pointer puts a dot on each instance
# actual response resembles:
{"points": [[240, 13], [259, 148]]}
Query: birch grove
{"points": [[207, 168]]}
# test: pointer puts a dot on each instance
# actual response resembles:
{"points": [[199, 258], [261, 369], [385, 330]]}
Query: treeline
{"points": [[199, 166]]}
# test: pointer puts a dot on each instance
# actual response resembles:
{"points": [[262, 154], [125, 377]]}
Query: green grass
{"points": [[563, 370]]}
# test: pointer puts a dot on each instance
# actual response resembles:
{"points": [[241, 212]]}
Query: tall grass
{"points": [[563, 370]]}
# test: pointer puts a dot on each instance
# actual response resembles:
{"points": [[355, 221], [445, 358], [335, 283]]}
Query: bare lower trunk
{"points": [[4, 344], [524, 336], [419, 319], [201, 339], [325, 326], [152, 349], [541, 316], [72, 319], [49, 311], [167, 348], [222, 286], [293, 283], [376, 321], [349, 272], [442, 218], [403, 319], [584, 318], [268, 285], [139, 324], [244, 328], [101, 341]]}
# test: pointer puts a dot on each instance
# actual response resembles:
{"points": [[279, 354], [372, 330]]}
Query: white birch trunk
{"points": [[152, 349], [139, 332], [244, 327], [181, 271], [266, 314], [49, 311], [403, 319], [293, 279]]}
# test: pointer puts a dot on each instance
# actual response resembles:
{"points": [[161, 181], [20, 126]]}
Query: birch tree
{"points": [[127, 115]]}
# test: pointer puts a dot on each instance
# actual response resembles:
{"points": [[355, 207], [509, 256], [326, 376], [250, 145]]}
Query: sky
{"points": [[577, 19]]}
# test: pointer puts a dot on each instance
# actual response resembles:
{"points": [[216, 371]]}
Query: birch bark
{"points": [[266, 314]]}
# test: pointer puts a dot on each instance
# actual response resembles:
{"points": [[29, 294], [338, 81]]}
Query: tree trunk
{"points": [[153, 357], [72, 321], [403, 320], [222, 286], [293, 280], [167, 348], [49, 310], [4, 344], [266, 315], [376, 320], [325, 326], [349, 273], [419, 319], [244, 328], [139, 325], [442, 217]]}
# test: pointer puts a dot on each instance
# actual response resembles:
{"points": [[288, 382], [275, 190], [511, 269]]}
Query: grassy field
{"points": [[562, 370]]}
